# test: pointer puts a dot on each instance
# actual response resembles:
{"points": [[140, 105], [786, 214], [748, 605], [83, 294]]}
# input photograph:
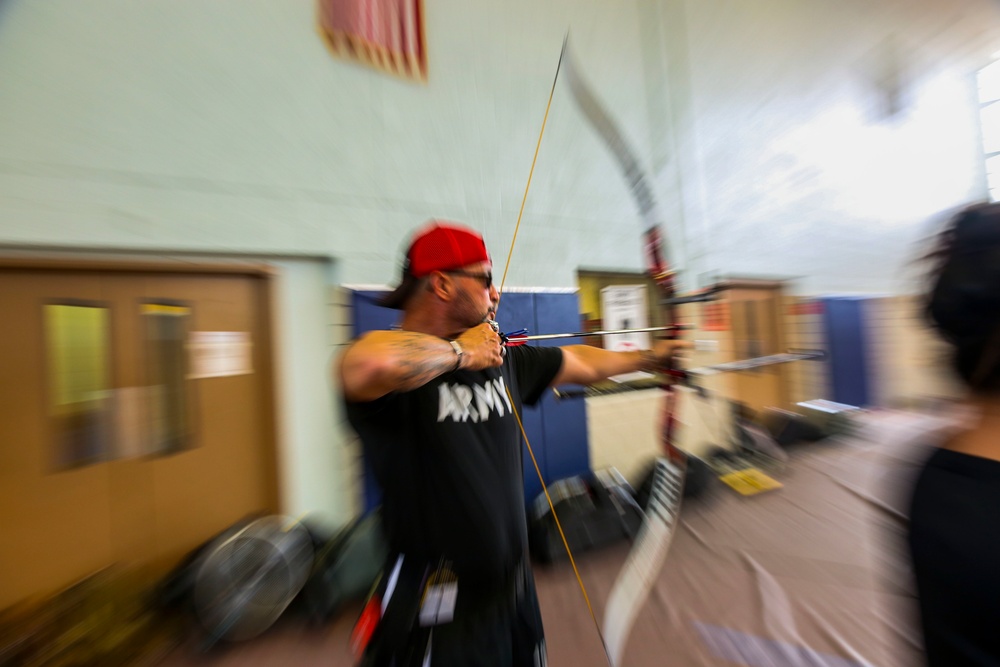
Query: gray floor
{"points": [[806, 575]]}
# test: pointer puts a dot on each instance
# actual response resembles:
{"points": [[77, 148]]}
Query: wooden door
{"points": [[120, 444], [755, 315]]}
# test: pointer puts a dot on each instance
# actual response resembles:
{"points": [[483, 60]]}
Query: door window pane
{"points": [[166, 329], [78, 357]]}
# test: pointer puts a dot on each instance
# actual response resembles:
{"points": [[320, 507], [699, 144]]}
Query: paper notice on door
{"points": [[219, 353], [624, 307]]}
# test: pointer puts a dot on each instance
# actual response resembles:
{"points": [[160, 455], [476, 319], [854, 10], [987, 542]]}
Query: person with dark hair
{"points": [[434, 405], [954, 531]]}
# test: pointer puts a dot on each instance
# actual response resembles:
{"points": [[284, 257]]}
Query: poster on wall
{"points": [[624, 307], [715, 316], [219, 353]]}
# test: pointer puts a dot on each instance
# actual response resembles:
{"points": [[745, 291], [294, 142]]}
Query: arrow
{"points": [[521, 339]]}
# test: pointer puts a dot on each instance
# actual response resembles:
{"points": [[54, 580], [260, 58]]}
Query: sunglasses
{"points": [[485, 278]]}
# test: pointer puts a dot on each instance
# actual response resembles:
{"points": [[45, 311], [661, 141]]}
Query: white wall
{"points": [[227, 126], [316, 468], [792, 169]]}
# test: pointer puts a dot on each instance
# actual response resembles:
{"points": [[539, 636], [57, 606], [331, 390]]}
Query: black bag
{"points": [[346, 567], [594, 510]]}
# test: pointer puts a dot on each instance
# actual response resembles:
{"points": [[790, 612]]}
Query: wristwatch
{"points": [[458, 354]]}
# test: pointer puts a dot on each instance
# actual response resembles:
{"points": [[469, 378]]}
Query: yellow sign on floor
{"points": [[750, 481]]}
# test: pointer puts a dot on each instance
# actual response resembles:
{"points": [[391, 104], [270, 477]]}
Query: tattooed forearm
{"points": [[380, 362], [420, 358]]}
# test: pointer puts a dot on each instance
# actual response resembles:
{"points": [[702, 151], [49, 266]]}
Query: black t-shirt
{"points": [[955, 545], [448, 458]]}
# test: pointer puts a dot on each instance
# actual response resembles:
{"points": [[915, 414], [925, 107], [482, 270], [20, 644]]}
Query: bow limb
{"points": [[520, 424], [649, 551]]}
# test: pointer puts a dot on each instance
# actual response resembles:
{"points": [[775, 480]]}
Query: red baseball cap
{"points": [[438, 246]]}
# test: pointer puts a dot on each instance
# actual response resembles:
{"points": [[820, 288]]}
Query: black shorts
{"points": [[501, 631]]}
